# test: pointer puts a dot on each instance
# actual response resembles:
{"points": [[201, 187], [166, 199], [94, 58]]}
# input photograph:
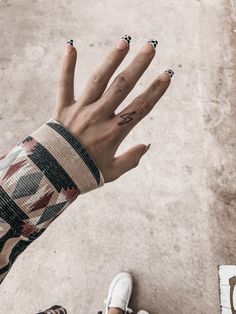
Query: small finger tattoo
{"points": [[126, 117]]}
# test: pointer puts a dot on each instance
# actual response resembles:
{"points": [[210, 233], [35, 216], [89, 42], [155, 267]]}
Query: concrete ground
{"points": [[170, 221]]}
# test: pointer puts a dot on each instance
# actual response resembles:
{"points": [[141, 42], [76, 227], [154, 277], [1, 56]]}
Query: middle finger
{"points": [[126, 80]]}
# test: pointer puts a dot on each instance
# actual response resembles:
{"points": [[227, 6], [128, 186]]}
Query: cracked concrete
{"points": [[171, 221]]}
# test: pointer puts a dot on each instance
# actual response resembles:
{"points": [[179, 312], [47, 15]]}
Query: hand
{"points": [[92, 119]]}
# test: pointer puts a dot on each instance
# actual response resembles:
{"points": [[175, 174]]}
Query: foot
{"points": [[119, 294], [115, 310]]}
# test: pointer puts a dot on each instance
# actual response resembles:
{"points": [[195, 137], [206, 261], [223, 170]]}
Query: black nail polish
{"points": [[146, 148], [153, 42], [170, 72], [70, 41], [127, 38]]}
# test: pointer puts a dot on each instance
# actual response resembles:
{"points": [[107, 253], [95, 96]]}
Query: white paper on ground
{"points": [[227, 272]]}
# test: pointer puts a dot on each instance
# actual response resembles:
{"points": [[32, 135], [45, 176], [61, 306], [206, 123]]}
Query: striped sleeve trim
{"points": [[70, 154]]}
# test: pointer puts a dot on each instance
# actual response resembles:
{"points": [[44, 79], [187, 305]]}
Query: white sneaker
{"points": [[120, 292], [142, 312]]}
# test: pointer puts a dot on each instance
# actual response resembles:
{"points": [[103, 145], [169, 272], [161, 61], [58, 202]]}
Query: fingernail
{"points": [[69, 46], [170, 72], [70, 41], [146, 148], [124, 42], [150, 46]]}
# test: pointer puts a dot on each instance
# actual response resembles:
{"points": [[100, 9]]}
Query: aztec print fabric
{"points": [[39, 178], [57, 309]]}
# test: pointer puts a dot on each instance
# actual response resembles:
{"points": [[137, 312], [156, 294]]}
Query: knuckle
{"points": [[63, 82], [122, 84], [142, 106], [113, 132], [92, 116], [110, 60], [98, 79], [110, 133], [93, 119], [140, 60]]}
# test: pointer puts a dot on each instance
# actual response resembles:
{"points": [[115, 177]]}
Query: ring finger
{"points": [[142, 105]]}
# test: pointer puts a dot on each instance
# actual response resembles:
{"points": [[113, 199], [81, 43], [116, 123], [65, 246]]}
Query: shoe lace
{"points": [[127, 310]]}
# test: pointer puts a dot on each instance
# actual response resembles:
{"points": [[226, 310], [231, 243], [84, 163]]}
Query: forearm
{"points": [[39, 178]]}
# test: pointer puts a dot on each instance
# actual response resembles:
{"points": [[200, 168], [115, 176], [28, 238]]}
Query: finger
{"points": [[143, 104], [129, 160], [99, 79], [65, 91], [126, 80]]}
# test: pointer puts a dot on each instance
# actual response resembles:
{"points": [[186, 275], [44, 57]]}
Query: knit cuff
{"points": [[43, 175], [68, 155]]}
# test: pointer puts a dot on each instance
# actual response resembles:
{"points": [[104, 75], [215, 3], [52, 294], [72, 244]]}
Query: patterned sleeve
{"points": [[39, 178]]}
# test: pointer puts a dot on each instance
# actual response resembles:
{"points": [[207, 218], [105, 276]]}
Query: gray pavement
{"points": [[170, 221]]}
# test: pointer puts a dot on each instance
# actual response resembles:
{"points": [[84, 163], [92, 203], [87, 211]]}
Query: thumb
{"points": [[65, 91], [130, 159]]}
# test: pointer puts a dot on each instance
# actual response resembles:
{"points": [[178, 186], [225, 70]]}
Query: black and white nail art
{"points": [[70, 41], [170, 72], [153, 42], [127, 38]]}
